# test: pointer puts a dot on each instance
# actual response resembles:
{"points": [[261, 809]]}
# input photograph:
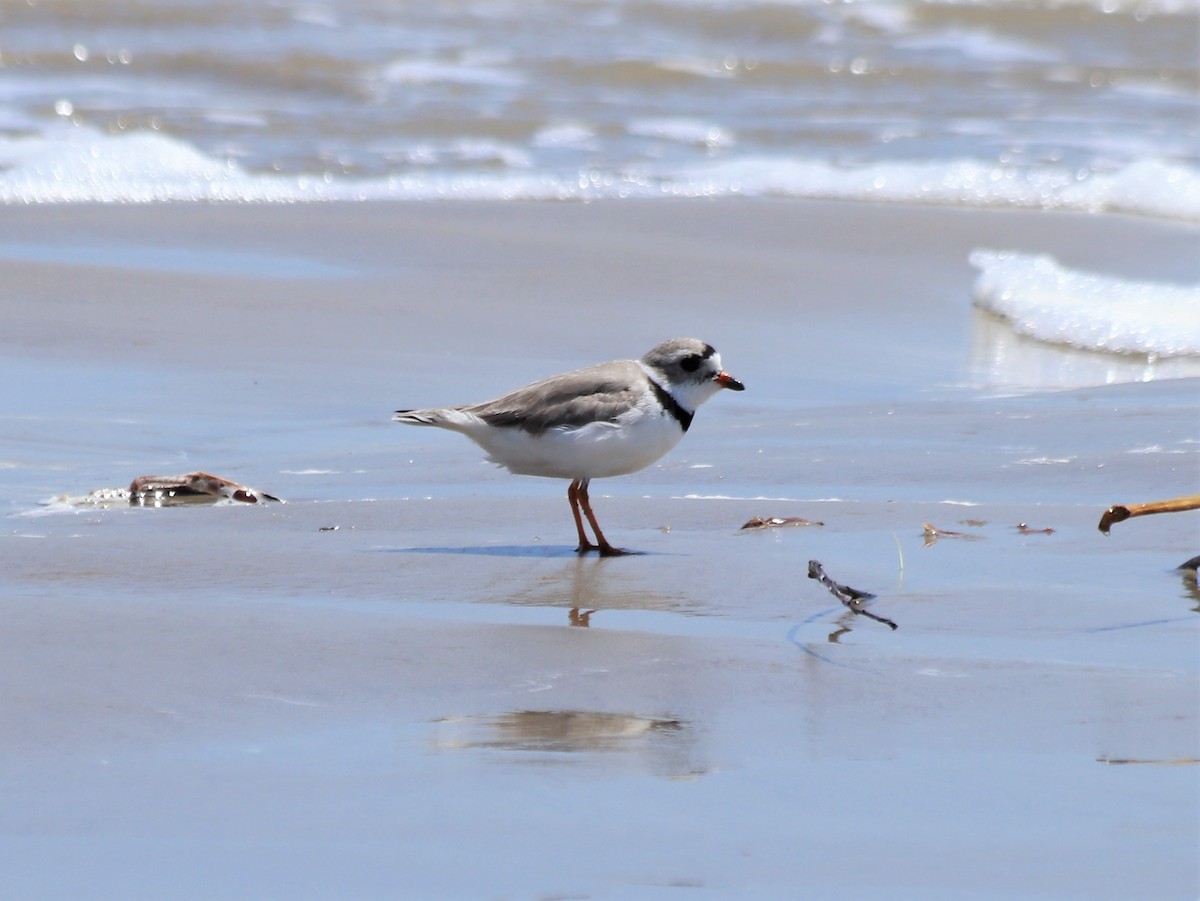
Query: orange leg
{"points": [[577, 487], [602, 545]]}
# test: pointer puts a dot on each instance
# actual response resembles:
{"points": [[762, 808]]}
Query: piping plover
{"points": [[605, 420]]}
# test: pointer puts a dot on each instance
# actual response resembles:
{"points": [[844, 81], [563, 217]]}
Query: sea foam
{"points": [[69, 163], [1150, 187], [1044, 300]]}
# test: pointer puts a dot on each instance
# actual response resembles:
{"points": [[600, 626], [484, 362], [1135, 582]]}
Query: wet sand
{"points": [[403, 683]]}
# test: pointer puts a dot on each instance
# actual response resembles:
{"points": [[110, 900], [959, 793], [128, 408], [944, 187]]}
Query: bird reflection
{"points": [[585, 586], [570, 730], [663, 744]]}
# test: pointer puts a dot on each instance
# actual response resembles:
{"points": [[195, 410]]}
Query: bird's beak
{"points": [[725, 380]]}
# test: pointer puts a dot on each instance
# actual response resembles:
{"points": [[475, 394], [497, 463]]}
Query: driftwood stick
{"points": [[852, 598], [1120, 512]]}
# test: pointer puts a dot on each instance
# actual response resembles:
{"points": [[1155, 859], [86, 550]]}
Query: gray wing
{"points": [[573, 399]]}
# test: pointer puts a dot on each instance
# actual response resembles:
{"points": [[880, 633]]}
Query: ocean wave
{"points": [[70, 163], [1109, 7], [433, 71], [1044, 300], [683, 130], [1150, 187], [1058, 104]]}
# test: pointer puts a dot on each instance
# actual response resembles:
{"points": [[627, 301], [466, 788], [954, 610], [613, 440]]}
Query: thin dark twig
{"points": [[852, 598]]}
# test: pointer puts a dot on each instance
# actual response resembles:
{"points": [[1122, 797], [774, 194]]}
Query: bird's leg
{"points": [[573, 491], [606, 549]]}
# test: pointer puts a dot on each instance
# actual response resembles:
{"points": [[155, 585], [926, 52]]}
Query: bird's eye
{"points": [[690, 363]]}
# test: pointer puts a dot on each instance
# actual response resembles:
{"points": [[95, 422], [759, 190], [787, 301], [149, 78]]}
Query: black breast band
{"points": [[682, 416]]}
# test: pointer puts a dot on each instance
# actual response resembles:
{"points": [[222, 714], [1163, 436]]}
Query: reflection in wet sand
{"points": [[562, 730], [586, 585], [1002, 358], [836, 635], [1188, 572], [664, 743]]}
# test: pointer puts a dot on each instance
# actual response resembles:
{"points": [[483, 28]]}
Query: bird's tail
{"points": [[443, 419], [417, 417]]}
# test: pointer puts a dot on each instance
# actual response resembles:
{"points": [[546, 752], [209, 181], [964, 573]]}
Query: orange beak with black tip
{"points": [[725, 380]]}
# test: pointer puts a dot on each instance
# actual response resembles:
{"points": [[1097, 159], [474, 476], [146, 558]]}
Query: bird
{"points": [[606, 420]]}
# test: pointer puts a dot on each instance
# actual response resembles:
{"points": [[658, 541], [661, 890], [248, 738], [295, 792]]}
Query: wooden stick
{"points": [[1119, 512]]}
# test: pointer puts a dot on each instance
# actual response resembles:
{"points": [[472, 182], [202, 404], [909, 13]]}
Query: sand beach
{"points": [[404, 683]]}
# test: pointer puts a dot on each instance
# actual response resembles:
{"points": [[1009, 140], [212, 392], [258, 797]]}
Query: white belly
{"points": [[593, 451]]}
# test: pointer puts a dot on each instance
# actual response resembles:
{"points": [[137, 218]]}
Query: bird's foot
{"points": [[605, 550]]}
